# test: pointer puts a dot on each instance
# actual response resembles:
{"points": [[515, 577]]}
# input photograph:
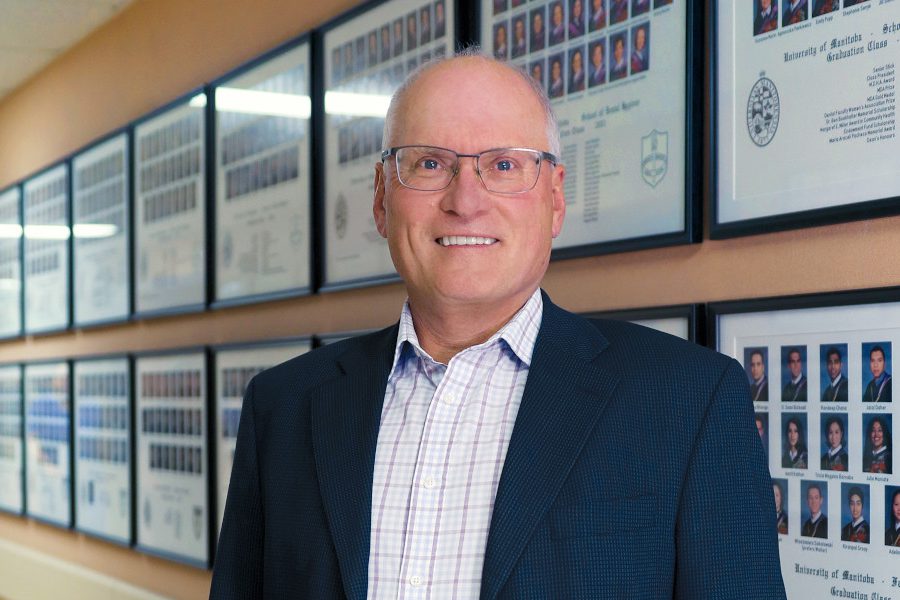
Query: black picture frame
{"points": [[14, 442], [96, 422], [691, 213], [62, 228], [12, 241], [692, 314], [837, 209], [125, 313], [173, 202], [243, 174], [161, 423], [343, 211]]}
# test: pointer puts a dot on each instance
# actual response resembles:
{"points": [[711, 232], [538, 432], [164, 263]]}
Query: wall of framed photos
{"points": [[155, 52]]}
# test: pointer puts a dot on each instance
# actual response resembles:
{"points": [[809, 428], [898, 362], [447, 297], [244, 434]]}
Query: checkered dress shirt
{"points": [[443, 438]]}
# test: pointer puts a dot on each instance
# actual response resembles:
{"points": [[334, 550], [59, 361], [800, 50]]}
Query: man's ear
{"points": [[378, 208], [559, 198]]}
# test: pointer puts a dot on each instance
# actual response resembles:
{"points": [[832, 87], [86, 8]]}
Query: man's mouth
{"points": [[465, 240]]}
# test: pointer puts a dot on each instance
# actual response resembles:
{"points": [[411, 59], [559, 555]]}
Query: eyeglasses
{"points": [[501, 170]]}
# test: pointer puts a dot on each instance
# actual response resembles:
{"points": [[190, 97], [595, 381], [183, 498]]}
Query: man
{"points": [[879, 389], [640, 57], [491, 444], [440, 22], [619, 68], [618, 11], [598, 15], [817, 523], [857, 530], [598, 64], [576, 74], [558, 30], [398, 37], [385, 42], [795, 389], [795, 11], [759, 385], [766, 19], [557, 87], [576, 19], [537, 72], [520, 46], [500, 46], [837, 388], [424, 25], [538, 33]]}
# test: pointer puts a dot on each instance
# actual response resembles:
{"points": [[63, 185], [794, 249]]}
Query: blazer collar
{"points": [[564, 396]]}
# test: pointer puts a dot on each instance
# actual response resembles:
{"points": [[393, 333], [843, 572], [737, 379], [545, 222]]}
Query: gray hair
{"points": [[474, 52]]}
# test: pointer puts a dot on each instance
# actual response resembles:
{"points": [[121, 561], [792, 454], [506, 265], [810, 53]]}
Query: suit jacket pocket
{"points": [[603, 516]]}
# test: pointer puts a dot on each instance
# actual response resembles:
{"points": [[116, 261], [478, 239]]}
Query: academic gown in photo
{"points": [[856, 533], [817, 529], [614, 486], [794, 392], [836, 393]]}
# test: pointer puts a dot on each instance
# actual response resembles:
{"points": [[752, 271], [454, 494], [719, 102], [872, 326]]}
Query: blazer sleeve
{"points": [[727, 545], [238, 567]]}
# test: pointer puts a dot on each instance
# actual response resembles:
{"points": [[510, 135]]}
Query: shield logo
{"points": [[654, 157]]}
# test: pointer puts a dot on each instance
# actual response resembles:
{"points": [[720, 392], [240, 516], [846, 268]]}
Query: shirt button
{"points": [[415, 581], [449, 399], [429, 482]]}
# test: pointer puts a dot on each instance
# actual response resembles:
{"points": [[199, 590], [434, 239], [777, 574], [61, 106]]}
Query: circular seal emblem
{"points": [[340, 216], [763, 111]]}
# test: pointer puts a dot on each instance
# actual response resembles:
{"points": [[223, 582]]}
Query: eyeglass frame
{"points": [[544, 155]]}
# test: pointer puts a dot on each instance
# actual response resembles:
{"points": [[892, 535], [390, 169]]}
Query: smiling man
{"points": [[490, 444]]}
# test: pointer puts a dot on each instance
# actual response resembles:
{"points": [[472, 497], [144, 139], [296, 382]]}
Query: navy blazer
{"points": [[634, 471]]}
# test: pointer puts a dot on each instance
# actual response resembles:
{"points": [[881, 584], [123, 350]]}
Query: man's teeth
{"points": [[465, 240]]}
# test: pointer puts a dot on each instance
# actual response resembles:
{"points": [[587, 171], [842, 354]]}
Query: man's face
{"points": [[520, 30], [415, 222], [597, 56], [814, 500], [765, 4], [619, 50], [777, 492], [757, 370], [577, 9], [555, 70], [877, 435], [557, 15], [537, 72], [795, 365], [855, 507], [793, 435], [834, 365], [538, 23], [576, 63], [835, 437], [876, 363], [640, 39]]}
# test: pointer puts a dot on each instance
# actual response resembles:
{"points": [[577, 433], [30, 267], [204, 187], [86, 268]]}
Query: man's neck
{"points": [[444, 330]]}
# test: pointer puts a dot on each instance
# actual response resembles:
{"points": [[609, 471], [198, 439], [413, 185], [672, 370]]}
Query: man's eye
{"points": [[429, 164], [504, 165]]}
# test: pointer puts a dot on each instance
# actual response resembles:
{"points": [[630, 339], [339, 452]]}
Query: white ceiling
{"points": [[34, 32]]}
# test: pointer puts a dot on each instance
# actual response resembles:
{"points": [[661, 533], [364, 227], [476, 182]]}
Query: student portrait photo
{"points": [[659, 3], [765, 16], [877, 444], [576, 70], [877, 382], [794, 11], [855, 513], [756, 365], [823, 7], [536, 69], [520, 37], [618, 61], [834, 443], [815, 521], [501, 45], [557, 23], [499, 6], [398, 37], [794, 453], [424, 25], [640, 48], [853, 2], [618, 11], [372, 53], [892, 515], [639, 7], [793, 376], [412, 31], [597, 72], [597, 16], [780, 490], [385, 36], [762, 427], [576, 18], [538, 37], [833, 372], [440, 20], [556, 87]]}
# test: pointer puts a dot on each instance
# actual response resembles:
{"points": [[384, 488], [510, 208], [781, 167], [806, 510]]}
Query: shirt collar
{"points": [[520, 333], [836, 380]]}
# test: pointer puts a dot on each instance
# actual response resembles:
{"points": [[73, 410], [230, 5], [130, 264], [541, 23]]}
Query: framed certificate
{"points": [[819, 370], [12, 457], [170, 208], [173, 481], [684, 320], [46, 257], [804, 114], [622, 81], [47, 443], [103, 497], [366, 54], [10, 262], [101, 229], [235, 366], [262, 153]]}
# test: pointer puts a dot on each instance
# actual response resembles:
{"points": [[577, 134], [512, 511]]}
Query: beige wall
{"points": [[159, 49]]}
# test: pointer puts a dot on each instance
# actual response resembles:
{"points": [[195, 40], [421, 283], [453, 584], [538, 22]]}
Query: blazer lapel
{"points": [[345, 415], [564, 396]]}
